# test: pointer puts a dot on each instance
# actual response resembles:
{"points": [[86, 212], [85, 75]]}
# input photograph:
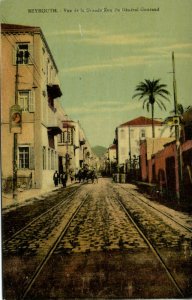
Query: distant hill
{"points": [[99, 150]]}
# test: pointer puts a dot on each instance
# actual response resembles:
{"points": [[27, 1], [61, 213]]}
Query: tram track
{"points": [[44, 234], [152, 247], [51, 250], [138, 198], [35, 219], [106, 224]]}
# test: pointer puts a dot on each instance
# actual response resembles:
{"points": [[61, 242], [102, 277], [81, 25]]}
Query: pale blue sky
{"points": [[102, 56]]}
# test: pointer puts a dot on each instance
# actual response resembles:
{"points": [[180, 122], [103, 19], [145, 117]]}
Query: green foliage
{"points": [[152, 92]]}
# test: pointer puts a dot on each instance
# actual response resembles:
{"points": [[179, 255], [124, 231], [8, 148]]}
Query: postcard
{"points": [[96, 148]]}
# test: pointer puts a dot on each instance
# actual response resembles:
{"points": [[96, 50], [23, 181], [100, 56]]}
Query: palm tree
{"points": [[149, 91]]}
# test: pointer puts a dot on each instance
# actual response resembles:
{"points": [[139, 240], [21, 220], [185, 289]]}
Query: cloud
{"points": [[118, 62], [100, 37], [105, 107], [132, 60], [77, 32], [87, 68], [119, 39], [181, 48]]}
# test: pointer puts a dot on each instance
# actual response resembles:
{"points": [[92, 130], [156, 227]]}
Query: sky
{"points": [[104, 48]]}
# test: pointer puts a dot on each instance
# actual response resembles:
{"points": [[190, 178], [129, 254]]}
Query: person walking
{"points": [[56, 178], [63, 178]]}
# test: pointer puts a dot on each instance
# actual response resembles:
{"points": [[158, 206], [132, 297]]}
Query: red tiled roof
{"points": [[112, 146], [141, 121]]}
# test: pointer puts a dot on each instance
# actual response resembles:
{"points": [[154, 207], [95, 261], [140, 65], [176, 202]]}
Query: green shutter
{"points": [[31, 158], [31, 101]]}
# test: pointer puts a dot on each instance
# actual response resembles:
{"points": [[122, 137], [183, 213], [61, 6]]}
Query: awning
{"points": [[54, 91], [54, 130]]}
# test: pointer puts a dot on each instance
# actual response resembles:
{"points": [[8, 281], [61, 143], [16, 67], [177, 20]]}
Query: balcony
{"points": [[54, 125], [53, 91]]}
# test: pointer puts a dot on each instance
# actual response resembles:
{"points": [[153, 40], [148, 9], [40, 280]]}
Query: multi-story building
{"points": [[30, 80], [74, 149], [130, 134]]}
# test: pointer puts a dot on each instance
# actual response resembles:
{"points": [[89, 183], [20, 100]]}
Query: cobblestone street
{"points": [[97, 240]]}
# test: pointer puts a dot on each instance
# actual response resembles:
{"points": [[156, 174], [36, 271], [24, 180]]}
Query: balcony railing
{"points": [[53, 123]]}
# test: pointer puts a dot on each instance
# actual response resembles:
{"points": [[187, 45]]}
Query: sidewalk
{"points": [[25, 196]]}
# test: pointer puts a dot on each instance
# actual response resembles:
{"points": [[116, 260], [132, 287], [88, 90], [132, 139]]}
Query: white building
{"points": [[130, 134]]}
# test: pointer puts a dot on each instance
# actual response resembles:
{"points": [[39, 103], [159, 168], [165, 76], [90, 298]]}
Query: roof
{"points": [[140, 121], [15, 28], [66, 124], [112, 147]]}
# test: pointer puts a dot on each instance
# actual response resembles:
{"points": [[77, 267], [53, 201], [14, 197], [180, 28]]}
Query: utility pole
{"points": [[15, 134], [130, 156], [67, 154], [177, 133]]}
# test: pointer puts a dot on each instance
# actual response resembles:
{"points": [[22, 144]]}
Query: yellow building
{"points": [[29, 79], [74, 149]]}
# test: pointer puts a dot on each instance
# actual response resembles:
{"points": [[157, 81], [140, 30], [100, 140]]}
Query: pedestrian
{"points": [[56, 178], [63, 178], [72, 178], [76, 175]]}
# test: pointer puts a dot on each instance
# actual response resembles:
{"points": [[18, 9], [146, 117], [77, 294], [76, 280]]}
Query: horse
{"points": [[91, 175]]}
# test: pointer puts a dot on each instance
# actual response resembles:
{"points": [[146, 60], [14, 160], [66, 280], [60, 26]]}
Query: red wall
{"points": [[162, 168]]}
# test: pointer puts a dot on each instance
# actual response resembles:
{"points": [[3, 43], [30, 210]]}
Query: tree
{"points": [[151, 92]]}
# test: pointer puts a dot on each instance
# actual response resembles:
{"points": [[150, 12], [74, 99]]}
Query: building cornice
{"points": [[20, 29]]}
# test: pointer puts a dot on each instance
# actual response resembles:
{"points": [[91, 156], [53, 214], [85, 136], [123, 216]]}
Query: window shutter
{"points": [[31, 101], [31, 59], [31, 158], [14, 55]]}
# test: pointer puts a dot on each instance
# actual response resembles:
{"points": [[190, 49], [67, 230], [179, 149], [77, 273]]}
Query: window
{"points": [[23, 54], [49, 159], [122, 133], [66, 137], [26, 101], [44, 158], [142, 133], [24, 157], [52, 160], [45, 108], [132, 133], [43, 61], [56, 160]]}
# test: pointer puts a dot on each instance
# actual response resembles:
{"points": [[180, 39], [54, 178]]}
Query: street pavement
{"points": [[101, 255], [25, 196]]}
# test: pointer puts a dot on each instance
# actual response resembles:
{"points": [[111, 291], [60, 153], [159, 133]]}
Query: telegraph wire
{"points": [[31, 58], [36, 80]]}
